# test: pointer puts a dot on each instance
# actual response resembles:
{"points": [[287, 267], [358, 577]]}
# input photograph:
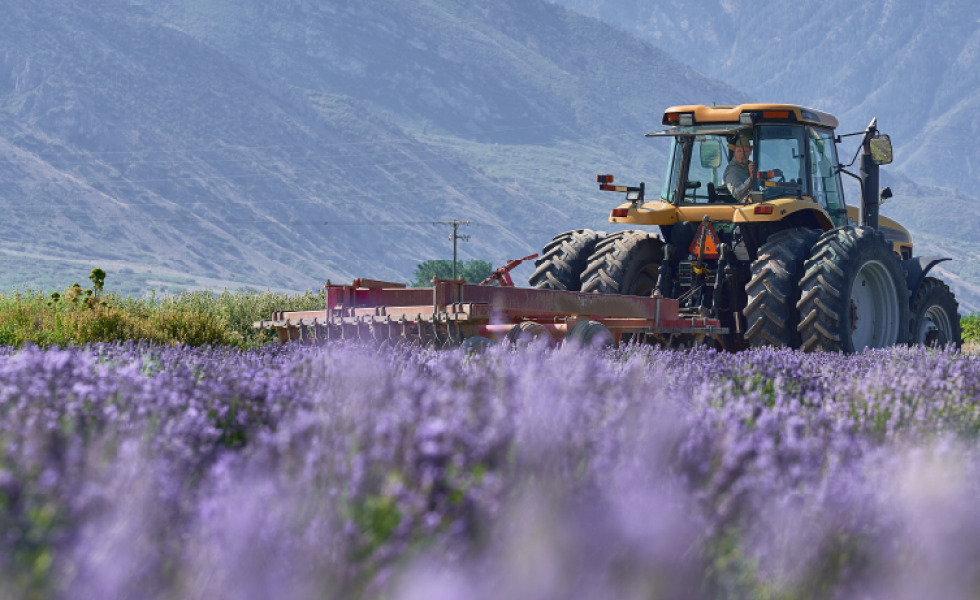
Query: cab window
{"points": [[673, 170], [696, 166], [705, 176]]}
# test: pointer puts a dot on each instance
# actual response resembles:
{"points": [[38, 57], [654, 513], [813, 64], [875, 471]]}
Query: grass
{"points": [[80, 316]]}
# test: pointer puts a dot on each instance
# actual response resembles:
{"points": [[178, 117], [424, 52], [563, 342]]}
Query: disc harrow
{"points": [[452, 311]]}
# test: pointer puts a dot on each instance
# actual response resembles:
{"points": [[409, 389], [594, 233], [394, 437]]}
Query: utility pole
{"points": [[454, 236]]}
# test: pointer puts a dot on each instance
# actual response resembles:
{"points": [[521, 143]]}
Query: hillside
{"points": [[914, 65], [279, 144]]}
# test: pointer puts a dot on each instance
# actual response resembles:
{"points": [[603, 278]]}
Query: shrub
{"points": [[971, 327]]}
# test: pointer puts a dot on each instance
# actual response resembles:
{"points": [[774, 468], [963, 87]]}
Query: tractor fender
{"points": [[916, 268]]}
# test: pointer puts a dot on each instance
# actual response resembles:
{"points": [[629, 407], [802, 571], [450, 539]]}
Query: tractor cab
{"points": [[791, 148]]}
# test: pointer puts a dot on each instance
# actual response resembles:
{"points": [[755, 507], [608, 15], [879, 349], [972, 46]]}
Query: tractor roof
{"points": [[733, 114]]}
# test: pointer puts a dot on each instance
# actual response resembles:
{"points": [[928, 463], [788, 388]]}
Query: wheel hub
{"points": [[874, 307], [936, 328]]}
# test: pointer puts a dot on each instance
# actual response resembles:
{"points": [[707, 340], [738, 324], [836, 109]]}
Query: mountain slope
{"points": [[916, 66], [240, 142]]}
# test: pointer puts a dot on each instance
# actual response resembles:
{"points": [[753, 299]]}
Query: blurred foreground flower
{"points": [[141, 471]]}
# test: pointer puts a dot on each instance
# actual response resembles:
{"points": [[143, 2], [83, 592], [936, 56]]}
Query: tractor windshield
{"points": [[789, 159]]}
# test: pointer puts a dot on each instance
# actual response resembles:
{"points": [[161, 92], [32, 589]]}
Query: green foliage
{"points": [[238, 310], [731, 573], [376, 518], [98, 280], [473, 271], [79, 316], [971, 327]]}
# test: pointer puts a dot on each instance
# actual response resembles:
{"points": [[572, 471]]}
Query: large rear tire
{"points": [[625, 262], [935, 315], [563, 260], [853, 293], [770, 312]]}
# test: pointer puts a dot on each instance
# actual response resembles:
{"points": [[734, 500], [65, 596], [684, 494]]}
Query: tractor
{"points": [[782, 261]]}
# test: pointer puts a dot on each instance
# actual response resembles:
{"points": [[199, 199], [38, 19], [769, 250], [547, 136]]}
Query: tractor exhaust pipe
{"points": [[869, 178]]}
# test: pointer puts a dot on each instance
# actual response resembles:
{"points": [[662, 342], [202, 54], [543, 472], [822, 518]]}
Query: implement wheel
{"points": [[590, 334], [853, 293], [528, 333], [770, 312], [563, 260], [625, 262], [935, 315]]}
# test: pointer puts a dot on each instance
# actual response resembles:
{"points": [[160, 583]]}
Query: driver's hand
{"points": [[751, 169]]}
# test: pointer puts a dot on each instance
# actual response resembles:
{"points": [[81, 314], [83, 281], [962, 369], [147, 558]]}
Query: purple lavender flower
{"points": [[342, 471]]}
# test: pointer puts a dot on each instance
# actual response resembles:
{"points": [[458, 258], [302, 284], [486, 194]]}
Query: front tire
{"points": [[935, 315], [853, 293], [625, 262], [774, 289]]}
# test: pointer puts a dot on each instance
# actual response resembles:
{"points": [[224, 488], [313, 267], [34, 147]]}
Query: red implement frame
{"points": [[451, 311]]}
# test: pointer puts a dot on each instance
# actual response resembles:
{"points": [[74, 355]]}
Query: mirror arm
{"points": [[841, 169], [838, 139]]}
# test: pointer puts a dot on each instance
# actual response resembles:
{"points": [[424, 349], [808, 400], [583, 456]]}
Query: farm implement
{"points": [[453, 313]]}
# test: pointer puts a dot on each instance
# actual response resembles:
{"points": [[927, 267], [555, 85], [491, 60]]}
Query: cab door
{"points": [[825, 185]]}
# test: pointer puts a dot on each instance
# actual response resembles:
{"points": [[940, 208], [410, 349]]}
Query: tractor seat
{"points": [[719, 195]]}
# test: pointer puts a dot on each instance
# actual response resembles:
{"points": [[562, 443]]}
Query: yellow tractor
{"points": [[752, 229]]}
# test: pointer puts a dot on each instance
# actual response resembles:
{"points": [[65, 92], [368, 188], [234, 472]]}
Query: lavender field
{"points": [[142, 471]]}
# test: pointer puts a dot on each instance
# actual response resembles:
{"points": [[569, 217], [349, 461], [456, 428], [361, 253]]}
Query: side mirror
{"points": [[881, 149], [710, 154]]}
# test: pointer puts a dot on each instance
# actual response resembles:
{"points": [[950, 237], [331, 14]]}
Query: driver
{"points": [[739, 173]]}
